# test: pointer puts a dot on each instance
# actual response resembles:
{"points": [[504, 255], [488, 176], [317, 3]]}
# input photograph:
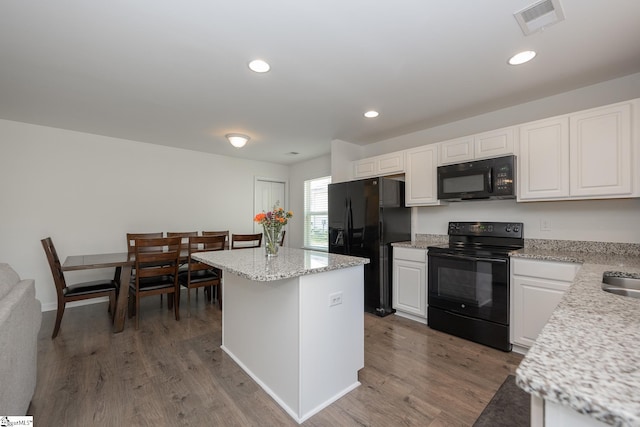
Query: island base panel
{"points": [[287, 336]]}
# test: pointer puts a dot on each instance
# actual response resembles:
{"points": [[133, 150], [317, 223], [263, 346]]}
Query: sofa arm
{"points": [[20, 319]]}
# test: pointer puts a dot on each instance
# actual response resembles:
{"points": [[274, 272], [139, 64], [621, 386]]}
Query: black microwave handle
{"points": [[490, 181], [468, 258]]}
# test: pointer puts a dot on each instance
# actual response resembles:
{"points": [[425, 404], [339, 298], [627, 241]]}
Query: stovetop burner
{"points": [[482, 238]]}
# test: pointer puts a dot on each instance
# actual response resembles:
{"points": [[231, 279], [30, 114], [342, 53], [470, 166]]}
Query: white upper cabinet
{"points": [[543, 160], [601, 155], [495, 143], [364, 168], [591, 154], [421, 187], [387, 164], [456, 151]]}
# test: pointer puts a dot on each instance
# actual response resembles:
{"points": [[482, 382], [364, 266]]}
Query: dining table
{"points": [[123, 262]]}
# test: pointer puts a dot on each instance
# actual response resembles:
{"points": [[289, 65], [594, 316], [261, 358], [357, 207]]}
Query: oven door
{"points": [[476, 287]]}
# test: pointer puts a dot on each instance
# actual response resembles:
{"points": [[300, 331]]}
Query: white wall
{"points": [[87, 191], [342, 153], [592, 220], [299, 173]]}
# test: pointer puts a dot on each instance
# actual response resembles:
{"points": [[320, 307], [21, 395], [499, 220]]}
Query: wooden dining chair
{"points": [[156, 264], [78, 291], [282, 237], [199, 274], [131, 240], [219, 233], [184, 235], [185, 245], [131, 247], [244, 241]]}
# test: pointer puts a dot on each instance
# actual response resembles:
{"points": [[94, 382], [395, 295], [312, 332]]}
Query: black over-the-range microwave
{"points": [[480, 179]]}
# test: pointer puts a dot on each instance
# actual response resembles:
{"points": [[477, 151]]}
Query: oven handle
{"points": [[468, 258]]}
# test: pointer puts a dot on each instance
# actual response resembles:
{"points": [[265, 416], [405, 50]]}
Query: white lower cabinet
{"points": [[410, 283], [536, 289]]}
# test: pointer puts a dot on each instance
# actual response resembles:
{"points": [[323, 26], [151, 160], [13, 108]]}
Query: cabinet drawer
{"points": [[410, 254], [563, 271]]}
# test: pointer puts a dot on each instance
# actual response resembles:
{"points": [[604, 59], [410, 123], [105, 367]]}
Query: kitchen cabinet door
{"points": [[390, 164], [494, 144], [536, 289], [410, 283], [364, 168], [534, 302], [601, 154], [543, 160], [457, 150], [387, 164], [421, 186]]}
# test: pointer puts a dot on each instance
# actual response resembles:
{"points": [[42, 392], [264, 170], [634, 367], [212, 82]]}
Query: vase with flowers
{"points": [[272, 223]]}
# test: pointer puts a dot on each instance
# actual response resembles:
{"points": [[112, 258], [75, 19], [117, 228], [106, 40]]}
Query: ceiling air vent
{"points": [[539, 15]]}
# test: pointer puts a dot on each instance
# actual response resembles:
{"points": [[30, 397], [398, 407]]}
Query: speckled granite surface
{"points": [[252, 264], [587, 356], [602, 253], [422, 241], [581, 246]]}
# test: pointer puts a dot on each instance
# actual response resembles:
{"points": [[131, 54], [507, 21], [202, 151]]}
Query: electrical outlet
{"points": [[335, 299], [545, 225]]}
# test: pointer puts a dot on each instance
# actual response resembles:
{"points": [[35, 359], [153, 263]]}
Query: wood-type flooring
{"points": [[173, 373]]}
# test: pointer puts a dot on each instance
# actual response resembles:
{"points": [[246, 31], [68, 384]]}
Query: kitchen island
{"points": [[294, 322], [584, 368]]}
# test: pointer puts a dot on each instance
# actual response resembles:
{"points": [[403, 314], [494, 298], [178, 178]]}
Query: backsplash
{"points": [[434, 239], [610, 248]]}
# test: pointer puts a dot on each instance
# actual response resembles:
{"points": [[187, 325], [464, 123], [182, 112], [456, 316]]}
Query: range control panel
{"points": [[488, 229]]}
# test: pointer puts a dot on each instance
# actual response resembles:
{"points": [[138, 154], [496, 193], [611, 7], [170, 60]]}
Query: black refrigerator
{"points": [[365, 217]]}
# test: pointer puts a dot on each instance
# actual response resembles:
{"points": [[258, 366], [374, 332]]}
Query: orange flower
{"points": [[259, 217]]}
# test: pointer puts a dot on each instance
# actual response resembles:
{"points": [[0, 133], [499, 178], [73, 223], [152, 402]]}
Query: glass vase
{"points": [[271, 240]]}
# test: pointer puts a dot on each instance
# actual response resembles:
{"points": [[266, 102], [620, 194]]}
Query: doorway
{"points": [[268, 191]]}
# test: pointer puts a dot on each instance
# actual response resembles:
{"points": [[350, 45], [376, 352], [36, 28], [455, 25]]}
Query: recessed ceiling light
{"points": [[259, 66], [522, 57], [371, 114]]}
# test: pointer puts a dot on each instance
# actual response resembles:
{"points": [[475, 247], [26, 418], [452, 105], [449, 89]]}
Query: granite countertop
{"points": [[422, 241], [253, 264], [587, 356]]}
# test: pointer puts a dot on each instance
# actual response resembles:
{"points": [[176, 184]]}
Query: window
{"points": [[316, 213]]}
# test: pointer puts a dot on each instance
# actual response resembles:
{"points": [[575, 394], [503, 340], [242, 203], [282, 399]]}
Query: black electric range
{"points": [[468, 281]]}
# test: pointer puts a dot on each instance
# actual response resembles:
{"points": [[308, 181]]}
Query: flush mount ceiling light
{"points": [[371, 114], [238, 140], [259, 66], [522, 57]]}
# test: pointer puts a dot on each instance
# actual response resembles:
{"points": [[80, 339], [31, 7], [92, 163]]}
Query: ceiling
{"points": [[175, 72]]}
